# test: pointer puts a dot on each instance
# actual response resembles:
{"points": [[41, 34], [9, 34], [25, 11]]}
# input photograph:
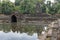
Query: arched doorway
{"points": [[13, 18]]}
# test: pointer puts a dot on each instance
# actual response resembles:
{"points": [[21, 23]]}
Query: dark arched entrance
{"points": [[13, 18]]}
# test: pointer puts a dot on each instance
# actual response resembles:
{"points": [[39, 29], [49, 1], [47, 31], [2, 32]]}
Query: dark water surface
{"points": [[19, 32]]}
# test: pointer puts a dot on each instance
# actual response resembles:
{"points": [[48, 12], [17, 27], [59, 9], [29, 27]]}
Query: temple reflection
{"points": [[14, 27]]}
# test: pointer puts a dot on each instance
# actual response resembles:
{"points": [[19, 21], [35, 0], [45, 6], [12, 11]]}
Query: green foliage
{"points": [[58, 7], [7, 7], [27, 6], [51, 8], [57, 1], [17, 2], [41, 1], [43, 8], [0, 6], [30, 6]]}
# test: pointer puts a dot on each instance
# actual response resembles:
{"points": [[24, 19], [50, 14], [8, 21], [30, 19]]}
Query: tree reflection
{"points": [[29, 29], [5, 27]]}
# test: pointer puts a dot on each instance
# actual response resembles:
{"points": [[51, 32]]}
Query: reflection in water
{"points": [[21, 32], [14, 27]]}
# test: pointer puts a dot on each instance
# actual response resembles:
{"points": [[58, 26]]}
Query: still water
{"points": [[19, 32]]}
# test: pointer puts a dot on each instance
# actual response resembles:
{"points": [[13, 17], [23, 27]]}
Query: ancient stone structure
{"points": [[30, 18], [14, 17], [54, 30]]}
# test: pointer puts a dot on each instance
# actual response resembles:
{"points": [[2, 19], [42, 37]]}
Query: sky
{"points": [[12, 0], [46, 0], [50, 0], [17, 36]]}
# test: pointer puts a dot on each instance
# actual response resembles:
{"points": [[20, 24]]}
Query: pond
{"points": [[12, 31]]}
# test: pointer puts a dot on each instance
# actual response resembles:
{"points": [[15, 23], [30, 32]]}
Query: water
{"points": [[12, 31]]}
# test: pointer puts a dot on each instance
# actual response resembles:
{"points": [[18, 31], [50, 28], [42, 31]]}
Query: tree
{"points": [[0, 6], [17, 2], [41, 1], [43, 8], [57, 1], [30, 6], [27, 6], [51, 8], [40, 6], [58, 7], [7, 7]]}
